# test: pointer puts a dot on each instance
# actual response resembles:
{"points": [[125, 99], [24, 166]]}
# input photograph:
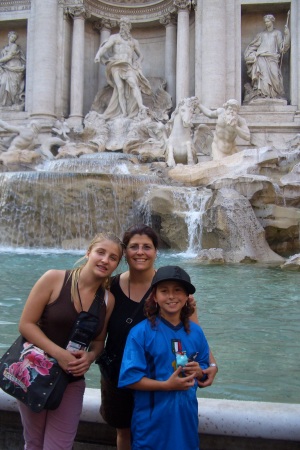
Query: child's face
{"points": [[171, 297]]}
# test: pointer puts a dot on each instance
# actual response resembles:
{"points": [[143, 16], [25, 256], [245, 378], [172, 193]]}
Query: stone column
{"points": [[104, 26], [79, 14], [198, 50], [183, 61], [44, 55], [212, 14], [169, 21], [295, 56]]}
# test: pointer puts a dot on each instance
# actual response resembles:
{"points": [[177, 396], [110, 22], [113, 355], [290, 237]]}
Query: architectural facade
{"points": [[197, 46]]}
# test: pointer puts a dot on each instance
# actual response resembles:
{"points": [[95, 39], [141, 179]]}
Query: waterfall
{"points": [[113, 163], [64, 210], [193, 203], [65, 202], [178, 212]]}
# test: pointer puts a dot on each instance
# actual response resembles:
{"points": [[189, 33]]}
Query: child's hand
{"points": [[193, 367], [210, 373], [177, 383]]}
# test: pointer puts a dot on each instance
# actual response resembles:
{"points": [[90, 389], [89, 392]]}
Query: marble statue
{"points": [[122, 57], [229, 125], [61, 128], [180, 147], [263, 58], [12, 74], [26, 138], [146, 137]]}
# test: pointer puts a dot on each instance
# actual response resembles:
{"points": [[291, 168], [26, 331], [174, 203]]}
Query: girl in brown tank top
{"points": [[47, 320]]}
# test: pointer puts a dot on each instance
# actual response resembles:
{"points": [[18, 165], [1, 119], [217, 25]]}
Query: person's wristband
{"points": [[214, 365]]}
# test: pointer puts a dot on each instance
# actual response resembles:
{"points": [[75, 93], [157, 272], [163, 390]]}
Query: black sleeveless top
{"points": [[125, 315]]}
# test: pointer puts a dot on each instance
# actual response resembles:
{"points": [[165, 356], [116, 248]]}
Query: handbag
{"points": [[32, 376]]}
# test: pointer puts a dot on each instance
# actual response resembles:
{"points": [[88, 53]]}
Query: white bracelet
{"points": [[213, 365]]}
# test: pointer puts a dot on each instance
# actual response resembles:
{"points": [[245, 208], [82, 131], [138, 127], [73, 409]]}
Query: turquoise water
{"points": [[249, 313]]}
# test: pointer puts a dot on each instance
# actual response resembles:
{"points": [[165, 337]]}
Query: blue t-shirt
{"points": [[166, 420]]}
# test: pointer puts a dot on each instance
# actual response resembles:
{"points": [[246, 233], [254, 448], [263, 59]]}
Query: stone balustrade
{"points": [[223, 424]]}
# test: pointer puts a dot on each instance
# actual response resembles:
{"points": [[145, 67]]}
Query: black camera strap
{"points": [[97, 302]]}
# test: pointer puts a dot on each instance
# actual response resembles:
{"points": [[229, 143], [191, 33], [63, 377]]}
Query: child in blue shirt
{"points": [[163, 360]]}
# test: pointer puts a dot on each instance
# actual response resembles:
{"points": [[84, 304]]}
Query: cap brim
{"points": [[190, 288]]}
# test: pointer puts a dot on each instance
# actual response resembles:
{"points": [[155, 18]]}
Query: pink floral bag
{"points": [[31, 376]]}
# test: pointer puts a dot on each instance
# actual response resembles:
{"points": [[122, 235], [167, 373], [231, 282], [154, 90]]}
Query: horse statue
{"points": [[180, 145]]}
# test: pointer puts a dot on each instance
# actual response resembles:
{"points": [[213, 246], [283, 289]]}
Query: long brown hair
{"points": [[152, 311]]}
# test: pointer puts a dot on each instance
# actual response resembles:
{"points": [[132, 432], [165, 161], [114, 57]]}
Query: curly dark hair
{"points": [[152, 311]]}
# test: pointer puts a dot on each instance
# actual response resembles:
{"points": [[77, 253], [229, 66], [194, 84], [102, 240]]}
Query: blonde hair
{"points": [[75, 273]]}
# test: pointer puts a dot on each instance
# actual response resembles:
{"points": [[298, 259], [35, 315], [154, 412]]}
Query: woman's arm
{"points": [[45, 290]]}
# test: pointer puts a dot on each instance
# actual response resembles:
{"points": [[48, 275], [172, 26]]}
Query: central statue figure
{"points": [[122, 56]]}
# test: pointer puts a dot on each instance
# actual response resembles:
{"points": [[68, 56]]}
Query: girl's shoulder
{"points": [[54, 275]]}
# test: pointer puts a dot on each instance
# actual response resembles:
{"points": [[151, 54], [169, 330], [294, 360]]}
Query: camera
{"points": [[79, 341], [83, 332]]}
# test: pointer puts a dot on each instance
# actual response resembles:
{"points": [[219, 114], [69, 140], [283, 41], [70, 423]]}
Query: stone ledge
{"points": [[224, 425]]}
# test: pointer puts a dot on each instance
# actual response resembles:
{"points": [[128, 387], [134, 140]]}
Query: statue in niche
{"points": [[229, 125], [12, 74], [263, 58], [122, 57]]}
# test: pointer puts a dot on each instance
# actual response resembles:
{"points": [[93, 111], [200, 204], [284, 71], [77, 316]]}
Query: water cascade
{"points": [[66, 202]]}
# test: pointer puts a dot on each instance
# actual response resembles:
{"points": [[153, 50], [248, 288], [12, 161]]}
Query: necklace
{"points": [[129, 320], [129, 288]]}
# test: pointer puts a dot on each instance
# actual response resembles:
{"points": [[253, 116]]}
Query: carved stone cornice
{"points": [[168, 19], [184, 4], [77, 12], [137, 10], [15, 5], [104, 23]]}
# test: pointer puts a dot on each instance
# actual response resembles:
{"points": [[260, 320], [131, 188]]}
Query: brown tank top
{"points": [[59, 316]]}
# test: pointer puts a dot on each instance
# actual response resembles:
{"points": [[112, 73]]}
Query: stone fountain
{"points": [[198, 175]]}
